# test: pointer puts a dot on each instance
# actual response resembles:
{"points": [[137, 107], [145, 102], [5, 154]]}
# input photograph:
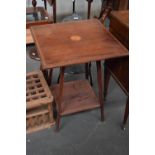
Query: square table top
{"points": [[69, 43]]}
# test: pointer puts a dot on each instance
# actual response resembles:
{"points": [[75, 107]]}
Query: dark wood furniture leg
{"points": [[89, 8], [45, 4], [88, 66], [62, 70], [86, 70], [54, 11], [45, 73], [106, 80], [91, 80], [34, 3], [126, 114], [50, 76], [100, 83]]}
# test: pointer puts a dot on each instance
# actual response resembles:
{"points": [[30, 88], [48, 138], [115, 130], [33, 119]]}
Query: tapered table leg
{"points": [[62, 70], [50, 76], [100, 83], [90, 75], [106, 80], [45, 73], [126, 114], [86, 71]]}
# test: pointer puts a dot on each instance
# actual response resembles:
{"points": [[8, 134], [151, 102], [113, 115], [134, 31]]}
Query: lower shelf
{"points": [[77, 96]]}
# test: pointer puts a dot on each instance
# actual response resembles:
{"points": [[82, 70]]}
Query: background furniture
{"points": [[75, 43], [52, 4], [116, 4], [119, 68], [39, 100], [120, 4], [35, 16]]}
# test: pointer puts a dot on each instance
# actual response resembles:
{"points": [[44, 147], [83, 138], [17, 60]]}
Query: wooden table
{"points": [[65, 44], [119, 68]]}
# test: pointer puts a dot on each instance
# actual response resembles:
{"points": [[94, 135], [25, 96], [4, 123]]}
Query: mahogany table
{"points": [[119, 68], [65, 44]]}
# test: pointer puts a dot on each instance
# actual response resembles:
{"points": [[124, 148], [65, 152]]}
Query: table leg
{"points": [[100, 83], [50, 76], [90, 75], [62, 70], [126, 113], [45, 73], [54, 11], [86, 70], [106, 80]]}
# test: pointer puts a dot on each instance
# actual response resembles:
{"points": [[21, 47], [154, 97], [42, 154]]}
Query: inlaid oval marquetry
{"points": [[75, 38]]}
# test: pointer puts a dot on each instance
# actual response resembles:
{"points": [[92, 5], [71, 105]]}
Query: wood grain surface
{"points": [[56, 49]]}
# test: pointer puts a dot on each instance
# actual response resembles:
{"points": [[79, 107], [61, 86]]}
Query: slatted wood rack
{"points": [[39, 100]]}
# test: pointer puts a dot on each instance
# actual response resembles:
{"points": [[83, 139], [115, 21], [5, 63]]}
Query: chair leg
{"points": [[34, 3], [89, 8], [126, 114], [45, 4], [54, 11], [106, 80]]}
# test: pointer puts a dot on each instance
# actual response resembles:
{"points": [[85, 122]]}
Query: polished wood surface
{"points": [[56, 48]]}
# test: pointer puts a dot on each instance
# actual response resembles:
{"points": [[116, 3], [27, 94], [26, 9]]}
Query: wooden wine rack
{"points": [[39, 113]]}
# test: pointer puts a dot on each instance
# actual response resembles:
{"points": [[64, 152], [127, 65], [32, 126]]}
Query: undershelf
{"points": [[77, 96]]}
